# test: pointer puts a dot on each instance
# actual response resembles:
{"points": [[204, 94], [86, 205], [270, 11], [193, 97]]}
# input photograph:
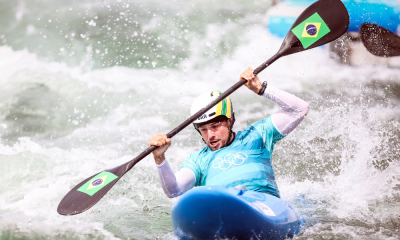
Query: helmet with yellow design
{"points": [[223, 110]]}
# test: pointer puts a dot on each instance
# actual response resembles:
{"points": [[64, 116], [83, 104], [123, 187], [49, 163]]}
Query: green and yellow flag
{"points": [[311, 30], [97, 182]]}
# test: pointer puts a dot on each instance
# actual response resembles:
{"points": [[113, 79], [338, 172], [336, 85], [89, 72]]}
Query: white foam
{"points": [[38, 172]]}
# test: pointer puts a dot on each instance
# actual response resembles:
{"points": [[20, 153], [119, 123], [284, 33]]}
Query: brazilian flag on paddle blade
{"points": [[97, 182], [311, 30]]}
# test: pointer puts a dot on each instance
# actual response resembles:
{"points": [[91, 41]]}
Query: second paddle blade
{"points": [[380, 41], [321, 23], [90, 191]]}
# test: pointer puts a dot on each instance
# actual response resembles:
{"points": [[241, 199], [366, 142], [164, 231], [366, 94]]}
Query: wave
{"points": [[60, 124]]}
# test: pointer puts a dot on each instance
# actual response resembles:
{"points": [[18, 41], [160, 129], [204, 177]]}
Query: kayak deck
{"points": [[213, 212]]}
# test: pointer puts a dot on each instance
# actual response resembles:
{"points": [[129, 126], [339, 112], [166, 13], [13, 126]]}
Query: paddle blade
{"points": [[321, 23], [90, 191], [380, 41]]}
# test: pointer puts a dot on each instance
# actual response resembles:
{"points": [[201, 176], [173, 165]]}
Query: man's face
{"points": [[216, 135]]}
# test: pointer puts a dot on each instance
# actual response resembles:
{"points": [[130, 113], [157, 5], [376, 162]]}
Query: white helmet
{"points": [[223, 108]]}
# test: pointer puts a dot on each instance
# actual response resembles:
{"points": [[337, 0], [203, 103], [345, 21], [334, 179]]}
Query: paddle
{"points": [[380, 41], [322, 22]]}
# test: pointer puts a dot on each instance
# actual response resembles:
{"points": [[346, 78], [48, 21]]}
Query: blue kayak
{"points": [[213, 212]]}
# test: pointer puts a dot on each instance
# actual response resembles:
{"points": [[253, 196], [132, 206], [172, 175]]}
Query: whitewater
{"points": [[84, 86]]}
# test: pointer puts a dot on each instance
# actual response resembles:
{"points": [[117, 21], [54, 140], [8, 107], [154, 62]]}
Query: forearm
{"points": [[159, 159], [175, 185], [293, 111]]}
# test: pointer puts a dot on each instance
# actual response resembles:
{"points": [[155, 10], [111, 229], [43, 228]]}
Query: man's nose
{"points": [[210, 133]]}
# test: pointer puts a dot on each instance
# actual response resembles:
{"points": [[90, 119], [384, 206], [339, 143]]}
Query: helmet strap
{"points": [[232, 136]]}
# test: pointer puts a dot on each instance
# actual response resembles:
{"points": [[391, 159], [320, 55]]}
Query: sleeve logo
{"points": [[311, 30]]}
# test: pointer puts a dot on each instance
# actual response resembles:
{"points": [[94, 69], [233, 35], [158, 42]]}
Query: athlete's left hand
{"points": [[253, 82]]}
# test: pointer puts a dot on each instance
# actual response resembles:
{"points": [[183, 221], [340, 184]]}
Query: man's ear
{"points": [[230, 122]]}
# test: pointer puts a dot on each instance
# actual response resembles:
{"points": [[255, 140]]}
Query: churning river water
{"points": [[85, 84]]}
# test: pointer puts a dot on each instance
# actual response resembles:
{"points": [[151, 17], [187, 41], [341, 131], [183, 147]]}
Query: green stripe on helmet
{"points": [[223, 112]]}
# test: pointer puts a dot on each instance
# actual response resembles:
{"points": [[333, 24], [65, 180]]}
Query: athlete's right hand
{"points": [[253, 82], [163, 144]]}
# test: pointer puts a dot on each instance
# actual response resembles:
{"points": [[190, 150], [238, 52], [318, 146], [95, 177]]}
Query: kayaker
{"points": [[232, 159]]}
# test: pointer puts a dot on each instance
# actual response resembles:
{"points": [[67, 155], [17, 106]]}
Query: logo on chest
{"points": [[229, 160]]}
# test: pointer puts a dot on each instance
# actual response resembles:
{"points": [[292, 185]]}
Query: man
{"points": [[233, 160]]}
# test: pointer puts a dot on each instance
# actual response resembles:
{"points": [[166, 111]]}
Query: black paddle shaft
{"points": [[335, 16], [76, 202], [190, 120], [332, 12]]}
